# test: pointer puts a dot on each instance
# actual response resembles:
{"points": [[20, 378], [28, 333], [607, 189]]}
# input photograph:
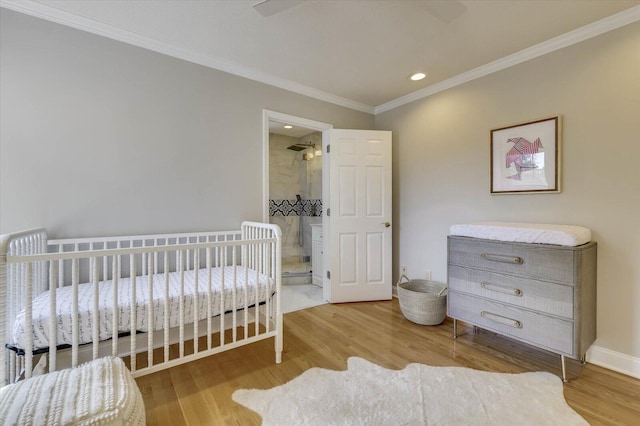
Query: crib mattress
{"points": [[563, 235], [256, 292]]}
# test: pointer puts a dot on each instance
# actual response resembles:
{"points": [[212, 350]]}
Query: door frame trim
{"points": [[279, 117]]}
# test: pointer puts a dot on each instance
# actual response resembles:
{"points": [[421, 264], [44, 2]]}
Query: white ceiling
{"points": [[357, 53], [294, 132]]}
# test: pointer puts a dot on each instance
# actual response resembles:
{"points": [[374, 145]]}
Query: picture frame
{"points": [[525, 158]]}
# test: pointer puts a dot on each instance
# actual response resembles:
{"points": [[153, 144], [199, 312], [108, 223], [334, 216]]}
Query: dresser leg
{"points": [[455, 328], [564, 370], [583, 359], [475, 329]]}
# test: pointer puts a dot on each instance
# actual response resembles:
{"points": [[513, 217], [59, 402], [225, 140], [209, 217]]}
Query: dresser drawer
{"points": [[538, 329], [537, 261], [550, 298]]}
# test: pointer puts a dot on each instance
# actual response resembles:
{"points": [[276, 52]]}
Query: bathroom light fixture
{"points": [[417, 76], [288, 126]]}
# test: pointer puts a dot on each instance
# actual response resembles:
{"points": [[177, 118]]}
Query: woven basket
{"points": [[420, 303]]}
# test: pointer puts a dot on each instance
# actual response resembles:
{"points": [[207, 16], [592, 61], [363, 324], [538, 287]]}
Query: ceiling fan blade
{"points": [[271, 7]]}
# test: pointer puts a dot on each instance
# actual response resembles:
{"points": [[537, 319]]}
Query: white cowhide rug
{"points": [[367, 394]]}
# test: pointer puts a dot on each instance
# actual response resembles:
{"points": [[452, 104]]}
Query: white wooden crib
{"points": [[155, 300]]}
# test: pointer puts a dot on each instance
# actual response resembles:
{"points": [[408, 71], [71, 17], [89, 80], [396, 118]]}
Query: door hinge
{"points": [[328, 149], [329, 212], [328, 275]]}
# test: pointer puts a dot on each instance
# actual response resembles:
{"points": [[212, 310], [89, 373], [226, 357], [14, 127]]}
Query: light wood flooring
{"points": [[199, 393]]}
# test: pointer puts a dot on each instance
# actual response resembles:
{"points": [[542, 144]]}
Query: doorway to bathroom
{"points": [[295, 204], [355, 239]]}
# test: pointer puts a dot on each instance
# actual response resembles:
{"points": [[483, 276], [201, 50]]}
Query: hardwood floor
{"points": [[199, 393]]}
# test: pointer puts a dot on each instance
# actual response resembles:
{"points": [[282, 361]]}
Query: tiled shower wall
{"points": [[290, 175]]}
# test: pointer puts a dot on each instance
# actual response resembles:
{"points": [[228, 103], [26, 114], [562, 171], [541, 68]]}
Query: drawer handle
{"points": [[501, 289], [501, 320], [502, 258]]}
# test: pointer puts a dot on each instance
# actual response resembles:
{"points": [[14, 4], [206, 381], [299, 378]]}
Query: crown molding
{"points": [[594, 29], [58, 16]]}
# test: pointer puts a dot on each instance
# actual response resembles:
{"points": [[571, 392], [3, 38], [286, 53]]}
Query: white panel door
{"points": [[359, 219]]}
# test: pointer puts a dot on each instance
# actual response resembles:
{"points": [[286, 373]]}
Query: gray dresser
{"points": [[540, 294]]}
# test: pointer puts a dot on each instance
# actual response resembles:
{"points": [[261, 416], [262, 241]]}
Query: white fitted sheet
{"points": [[64, 312], [563, 235]]}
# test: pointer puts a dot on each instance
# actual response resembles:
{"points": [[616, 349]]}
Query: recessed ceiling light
{"points": [[288, 126], [417, 76]]}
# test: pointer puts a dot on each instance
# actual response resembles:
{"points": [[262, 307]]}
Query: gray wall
{"points": [[441, 165], [102, 138]]}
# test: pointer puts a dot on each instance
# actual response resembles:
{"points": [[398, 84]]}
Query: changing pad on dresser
{"points": [[563, 235]]}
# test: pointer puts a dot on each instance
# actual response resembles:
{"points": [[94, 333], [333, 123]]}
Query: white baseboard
{"points": [[616, 361]]}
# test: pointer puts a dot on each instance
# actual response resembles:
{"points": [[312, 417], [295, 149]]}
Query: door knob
{"points": [[386, 224]]}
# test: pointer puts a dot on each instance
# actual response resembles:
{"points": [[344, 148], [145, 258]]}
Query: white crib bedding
{"points": [[563, 235], [64, 295]]}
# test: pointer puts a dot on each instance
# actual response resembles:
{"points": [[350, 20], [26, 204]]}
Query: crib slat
{"points": [[11, 293], [150, 325], [181, 303], [257, 304], [187, 267], [144, 259], [209, 307], [75, 329], [60, 273], [28, 320], [267, 285], [196, 300], [53, 326], [270, 277], [234, 296], [166, 306], [246, 297], [95, 279], [155, 257], [119, 246], [223, 292], [115, 311], [134, 310]]}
